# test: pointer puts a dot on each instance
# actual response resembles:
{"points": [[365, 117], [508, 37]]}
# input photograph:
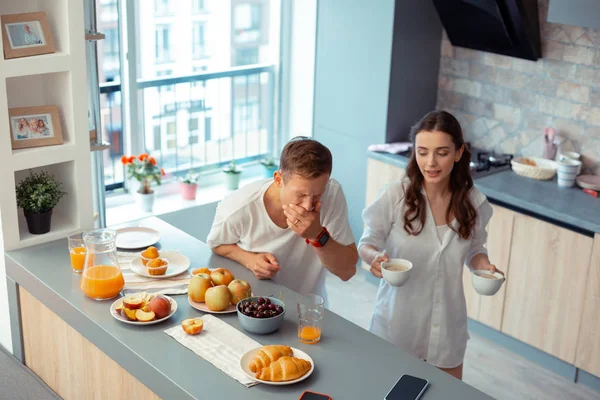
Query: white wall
{"points": [[299, 70], [5, 335]]}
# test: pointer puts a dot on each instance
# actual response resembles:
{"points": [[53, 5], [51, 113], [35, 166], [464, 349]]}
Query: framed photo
{"points": [[25, 35], [34, 127]]}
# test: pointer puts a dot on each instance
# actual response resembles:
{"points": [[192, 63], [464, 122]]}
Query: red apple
{"points": [[218, 298], [221, 276], [240, 290], [198, 286], [160, 306]]}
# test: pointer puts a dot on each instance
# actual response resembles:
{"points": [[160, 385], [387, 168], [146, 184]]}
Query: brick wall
{"points": [[504, 103]]}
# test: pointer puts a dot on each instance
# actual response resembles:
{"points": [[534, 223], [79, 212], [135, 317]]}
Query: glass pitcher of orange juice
{"points": [[102, 278]]}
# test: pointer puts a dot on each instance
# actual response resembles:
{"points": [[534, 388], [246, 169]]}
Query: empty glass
{"points": [[76, 251], [311, 308]]}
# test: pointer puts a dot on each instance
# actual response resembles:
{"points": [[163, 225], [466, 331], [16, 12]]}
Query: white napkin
{"points": [[136, 283], [220, 344]]}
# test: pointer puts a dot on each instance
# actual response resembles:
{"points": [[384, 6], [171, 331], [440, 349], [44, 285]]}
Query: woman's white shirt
{"points": [[427, 316]]}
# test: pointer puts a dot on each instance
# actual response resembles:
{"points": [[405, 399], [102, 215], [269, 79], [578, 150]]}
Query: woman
{"points": [[436, 219]]}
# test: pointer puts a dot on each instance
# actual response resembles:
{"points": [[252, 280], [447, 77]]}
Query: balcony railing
{"points": [[201, 121]]}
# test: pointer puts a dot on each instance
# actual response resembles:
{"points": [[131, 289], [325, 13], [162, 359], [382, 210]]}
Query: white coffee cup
{"points": [[567, 171], [487, 283], [396, 271], [570, 155]]}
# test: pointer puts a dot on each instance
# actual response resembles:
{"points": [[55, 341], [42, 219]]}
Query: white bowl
{"points": [[396, 278], [487, 286]]}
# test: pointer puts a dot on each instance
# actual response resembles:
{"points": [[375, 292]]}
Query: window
{"points": [[163, 33], [109, 11], [247, 23], [246, 116], [162, 7], [171, 128], [111, 42], [198, 40], [157, 136], [198, 6], [246, 56]]}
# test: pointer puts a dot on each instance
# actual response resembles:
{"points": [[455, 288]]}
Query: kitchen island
{"points": [[81, 351]]}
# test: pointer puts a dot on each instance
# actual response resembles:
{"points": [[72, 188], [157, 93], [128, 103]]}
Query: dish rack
{"points": [[542, 170]]}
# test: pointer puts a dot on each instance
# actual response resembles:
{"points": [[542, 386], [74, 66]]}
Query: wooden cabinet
{"points": [[588, 345], [545, 291], [379, 174], [488, 309]]}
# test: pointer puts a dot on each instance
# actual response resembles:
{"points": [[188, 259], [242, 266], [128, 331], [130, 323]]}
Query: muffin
{"points": [[157, 266], [149, 254]]}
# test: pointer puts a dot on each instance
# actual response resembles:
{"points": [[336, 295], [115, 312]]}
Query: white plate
{"points": [[156, 321], [589, 182], [178, 264], [136, 237], [246, 358], [202, 307]]}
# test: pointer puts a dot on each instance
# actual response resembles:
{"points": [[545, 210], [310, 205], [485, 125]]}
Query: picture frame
{"points": [[25, 35], [34, 127]]}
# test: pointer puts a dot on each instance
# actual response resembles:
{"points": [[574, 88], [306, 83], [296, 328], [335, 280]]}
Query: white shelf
{"points": [[37, 65], [39, 156], [60, 228]]}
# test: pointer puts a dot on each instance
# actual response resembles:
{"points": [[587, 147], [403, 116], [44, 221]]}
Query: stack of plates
{"points": [[589, 182]]}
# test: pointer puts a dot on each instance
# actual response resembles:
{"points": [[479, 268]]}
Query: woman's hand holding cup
{"points": [[376, 263]]}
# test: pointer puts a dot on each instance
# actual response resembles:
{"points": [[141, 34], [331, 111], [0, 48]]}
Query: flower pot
{"points": [[188, 191], [38, 223], [232, 180], [270, 170], [145, 201]]}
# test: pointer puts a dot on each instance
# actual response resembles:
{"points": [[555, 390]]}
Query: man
{"points": [[30, 37], [288, 228]]}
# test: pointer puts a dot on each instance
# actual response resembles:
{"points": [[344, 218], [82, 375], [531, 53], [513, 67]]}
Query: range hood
{"points": [[508, 27]]}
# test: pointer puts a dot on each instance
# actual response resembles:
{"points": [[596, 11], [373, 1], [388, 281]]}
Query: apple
{"points": [[221, 276], [143, 316], [133, 302], [240, 290], [160, 306], [192, 326], [203, 270], [128, 314], [218, 298], [198, 286]]}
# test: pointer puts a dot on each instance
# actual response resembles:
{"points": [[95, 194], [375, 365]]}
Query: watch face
{"points": [[324, 238]]}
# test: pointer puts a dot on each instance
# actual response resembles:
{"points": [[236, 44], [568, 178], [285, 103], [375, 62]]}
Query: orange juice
{"points": [[102, 282], [77, 258], [309, 334]]}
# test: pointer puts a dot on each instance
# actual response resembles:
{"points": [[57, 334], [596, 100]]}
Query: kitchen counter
{"points": [[350, 362], [570, 207]]}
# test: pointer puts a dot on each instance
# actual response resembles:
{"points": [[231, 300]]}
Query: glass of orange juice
{"points": [[76, 251], [102, 278], [311, 308]]}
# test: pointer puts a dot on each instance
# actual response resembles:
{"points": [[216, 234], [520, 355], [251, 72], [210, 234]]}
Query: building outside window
{"points": [[247, 22], [163, 44], [199, 6], [199, 40], [162, 7]]}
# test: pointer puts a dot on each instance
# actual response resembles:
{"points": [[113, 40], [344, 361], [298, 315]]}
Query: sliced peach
{"points": [[119, 307], [146, 308], [143, 316], [133, 302], [192, 326], [201, 271], [128, 314]]}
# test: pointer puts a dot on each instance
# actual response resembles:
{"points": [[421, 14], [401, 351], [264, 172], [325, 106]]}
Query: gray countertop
{"points": [[350, 362], [565, 206]]}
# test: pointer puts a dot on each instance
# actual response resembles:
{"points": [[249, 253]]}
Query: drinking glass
{"points": [[76, 251], [311, 308]]}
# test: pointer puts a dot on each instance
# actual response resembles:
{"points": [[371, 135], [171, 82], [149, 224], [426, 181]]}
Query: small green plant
{"points": [[39, 192], [232, 168], [191, 178], [268, 161]]}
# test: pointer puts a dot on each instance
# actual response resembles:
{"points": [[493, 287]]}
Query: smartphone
{"points": [[408, 388], [308, 395]]}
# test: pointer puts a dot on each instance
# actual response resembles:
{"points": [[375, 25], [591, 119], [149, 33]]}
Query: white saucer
{"points": [[118, 316], [136, 237], [178, 264], [247, 357]]}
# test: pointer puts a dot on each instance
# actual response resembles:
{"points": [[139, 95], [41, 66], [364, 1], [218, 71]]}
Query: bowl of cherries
{"points": [[260, 314]]}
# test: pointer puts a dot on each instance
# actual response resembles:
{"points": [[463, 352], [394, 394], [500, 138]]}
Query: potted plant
{"points": [[269, 166], [37, 195], [188, 185], [144, 169], [232, 176]]}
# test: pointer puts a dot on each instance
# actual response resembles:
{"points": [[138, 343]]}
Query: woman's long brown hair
{"points": [[461, 181]]}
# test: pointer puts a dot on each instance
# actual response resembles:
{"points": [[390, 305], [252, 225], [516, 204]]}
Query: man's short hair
{"points": [[305, 157]]}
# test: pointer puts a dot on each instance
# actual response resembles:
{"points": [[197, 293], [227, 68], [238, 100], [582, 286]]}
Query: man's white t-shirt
{"points": [[242, 219]]}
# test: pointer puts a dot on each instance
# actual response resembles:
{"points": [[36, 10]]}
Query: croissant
{"points": [[284, 369], [267, 354]]}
